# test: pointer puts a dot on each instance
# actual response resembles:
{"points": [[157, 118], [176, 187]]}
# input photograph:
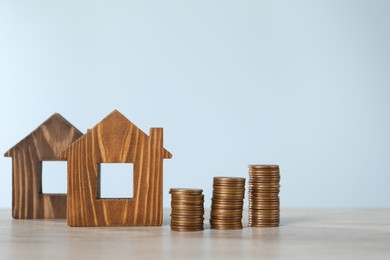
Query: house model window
{"points": [[54, 177], [115, 180]]}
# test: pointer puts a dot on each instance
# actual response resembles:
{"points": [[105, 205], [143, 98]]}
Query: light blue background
{"points": [[304, 84]]}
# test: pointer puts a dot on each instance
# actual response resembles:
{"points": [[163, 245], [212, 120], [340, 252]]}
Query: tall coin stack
{"points": [[227, 203], [187, 209], [264, 203]]}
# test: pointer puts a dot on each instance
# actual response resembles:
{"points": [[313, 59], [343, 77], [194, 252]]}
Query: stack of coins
{"points": [[187, 209], [227, 203], [264, 203]]}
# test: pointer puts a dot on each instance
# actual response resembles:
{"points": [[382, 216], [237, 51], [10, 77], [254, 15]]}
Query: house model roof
{"points": [[119, 126], [55, 127]]}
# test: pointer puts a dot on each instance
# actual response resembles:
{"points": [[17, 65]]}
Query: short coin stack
{"points": [[187, 209], [227, 203], [264, 203]]}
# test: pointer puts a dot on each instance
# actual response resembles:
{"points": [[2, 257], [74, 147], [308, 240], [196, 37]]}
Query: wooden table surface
{"points": [[303, 234]]}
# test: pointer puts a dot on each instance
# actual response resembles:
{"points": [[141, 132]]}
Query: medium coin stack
{"points": [[227, 203], [187, 209], [264, 203]]}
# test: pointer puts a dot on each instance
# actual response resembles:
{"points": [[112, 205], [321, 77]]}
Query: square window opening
{"points": [[115, 180], [54, 177]]}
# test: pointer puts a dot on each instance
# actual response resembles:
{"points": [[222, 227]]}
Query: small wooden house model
{"points": [[116, 140], [43, 144]]}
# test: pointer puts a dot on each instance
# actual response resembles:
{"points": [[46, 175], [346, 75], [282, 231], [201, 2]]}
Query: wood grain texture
{"points": [[43, 144], [116, 140]]}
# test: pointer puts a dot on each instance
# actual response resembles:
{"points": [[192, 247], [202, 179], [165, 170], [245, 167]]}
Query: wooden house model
{"points": [[43, 144], [116, 140]]}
